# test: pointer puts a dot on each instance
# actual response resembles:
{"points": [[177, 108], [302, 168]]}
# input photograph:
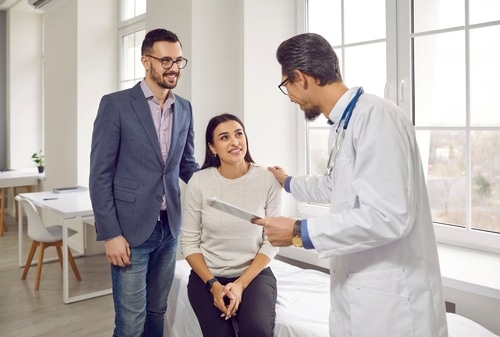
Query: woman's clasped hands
{"points": [[227, 298]]}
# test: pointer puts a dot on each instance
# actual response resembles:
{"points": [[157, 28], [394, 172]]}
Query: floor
{"points": [[28, 313]]}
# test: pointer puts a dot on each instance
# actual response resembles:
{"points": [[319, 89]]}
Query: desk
{"points": [[68, 206], [15, 179]]}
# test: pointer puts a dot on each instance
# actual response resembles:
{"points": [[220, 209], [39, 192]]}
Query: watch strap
{"points": [[297, 228], [210, 282]]}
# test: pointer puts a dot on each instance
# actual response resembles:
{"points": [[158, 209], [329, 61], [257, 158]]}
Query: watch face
{"points": [[297, 241]]}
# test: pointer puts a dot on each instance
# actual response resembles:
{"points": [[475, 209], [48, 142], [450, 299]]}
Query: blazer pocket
{"points": [[125, 196], [126, 183]]}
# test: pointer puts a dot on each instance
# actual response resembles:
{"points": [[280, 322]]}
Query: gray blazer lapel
{"points": [[176, 124], [142, 110]]}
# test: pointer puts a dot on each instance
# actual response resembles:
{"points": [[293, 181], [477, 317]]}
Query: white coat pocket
{"points": [[379, 304]]}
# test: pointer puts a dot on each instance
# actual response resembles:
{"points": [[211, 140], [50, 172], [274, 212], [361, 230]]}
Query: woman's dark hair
{"points": [[157, 35], [210, 159], [312, 54]]}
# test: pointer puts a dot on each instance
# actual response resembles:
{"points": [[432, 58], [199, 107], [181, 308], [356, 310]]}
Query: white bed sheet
{"points": [[302, 307]]}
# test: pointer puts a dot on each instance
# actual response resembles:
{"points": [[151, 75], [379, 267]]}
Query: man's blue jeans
{"points": [[140, 290]]}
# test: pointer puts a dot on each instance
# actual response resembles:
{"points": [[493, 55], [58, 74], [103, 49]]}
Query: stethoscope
{"points": [[339, 138]]}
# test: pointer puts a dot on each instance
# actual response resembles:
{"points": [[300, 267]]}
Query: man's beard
{"points": [[158, 78], [312, 113]]}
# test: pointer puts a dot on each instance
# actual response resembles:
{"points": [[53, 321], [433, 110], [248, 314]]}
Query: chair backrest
{"points": [[36, 228]]}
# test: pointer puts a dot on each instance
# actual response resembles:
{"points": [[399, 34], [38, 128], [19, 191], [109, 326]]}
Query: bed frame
{"points": [[302, 307]]}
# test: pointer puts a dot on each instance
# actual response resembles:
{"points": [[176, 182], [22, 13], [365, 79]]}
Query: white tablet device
{"points": [[231, 209]]}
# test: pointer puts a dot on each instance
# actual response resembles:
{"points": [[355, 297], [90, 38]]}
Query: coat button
{"points": [[159, 198]]}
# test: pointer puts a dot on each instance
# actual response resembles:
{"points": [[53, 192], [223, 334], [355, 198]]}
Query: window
{"points": [[438, 61], [132, 8], [131, 35]]}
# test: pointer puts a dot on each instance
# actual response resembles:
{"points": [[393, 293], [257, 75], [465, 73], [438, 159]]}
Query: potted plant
{"points": [[38, 158]]}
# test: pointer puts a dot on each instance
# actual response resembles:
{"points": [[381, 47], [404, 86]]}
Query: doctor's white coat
{"points": [[379, 236]]}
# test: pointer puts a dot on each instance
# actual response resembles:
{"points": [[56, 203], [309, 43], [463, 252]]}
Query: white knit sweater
{"points": [[227, 243]]}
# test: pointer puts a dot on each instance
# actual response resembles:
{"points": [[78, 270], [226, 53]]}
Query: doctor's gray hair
{"points": [[312, 54]]}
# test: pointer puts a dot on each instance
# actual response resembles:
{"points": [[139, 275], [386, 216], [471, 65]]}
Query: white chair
{"points": [[43, 237]]}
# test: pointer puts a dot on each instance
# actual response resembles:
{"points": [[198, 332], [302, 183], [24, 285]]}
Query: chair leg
{"points": [[27, 265], [59, 255], [73, 265], [40, 264], [70, 260]]}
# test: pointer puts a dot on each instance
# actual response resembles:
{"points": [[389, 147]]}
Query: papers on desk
{"points": [[231, 209], [69, 189]]}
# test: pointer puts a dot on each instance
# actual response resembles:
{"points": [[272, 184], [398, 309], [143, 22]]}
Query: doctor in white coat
{"points": [[385, 276]]}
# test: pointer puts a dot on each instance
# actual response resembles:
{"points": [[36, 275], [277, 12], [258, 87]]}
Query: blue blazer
{"points": [[127, 174]]}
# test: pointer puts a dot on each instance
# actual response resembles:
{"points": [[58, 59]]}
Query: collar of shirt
{"points": [[149, 95]]}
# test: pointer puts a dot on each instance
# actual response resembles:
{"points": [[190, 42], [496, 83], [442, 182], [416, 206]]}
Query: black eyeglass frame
{"points": [[280, 86], [170, 61]]}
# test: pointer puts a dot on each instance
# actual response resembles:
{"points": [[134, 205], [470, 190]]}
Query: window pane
{"points": [[368, 72], [485, 180], [132, 69], [484, 11], [446, 176], [140, 7], [128, 57], [325, 19], [438, 14], [127, 9], [364, 20], [132, 8], [484, 71], [139, 68], [317, 140], [439, 80]]}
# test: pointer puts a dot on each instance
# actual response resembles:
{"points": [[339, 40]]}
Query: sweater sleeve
{"points": [[190, 236], [274, 202]]}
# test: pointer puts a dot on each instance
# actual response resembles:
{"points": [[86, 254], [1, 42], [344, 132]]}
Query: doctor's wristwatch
{"points": [[297, 234]]}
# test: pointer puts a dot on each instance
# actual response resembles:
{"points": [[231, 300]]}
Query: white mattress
{"points": [[302, 307]]}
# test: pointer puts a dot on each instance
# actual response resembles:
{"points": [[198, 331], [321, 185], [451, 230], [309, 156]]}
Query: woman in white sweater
{"points": [[230, 286]]}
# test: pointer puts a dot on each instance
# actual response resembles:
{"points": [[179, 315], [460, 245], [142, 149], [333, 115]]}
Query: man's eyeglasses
{"points": [[167, 62], [282, 86]]}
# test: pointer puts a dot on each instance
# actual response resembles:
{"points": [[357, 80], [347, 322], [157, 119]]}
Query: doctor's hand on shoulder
{"points": [[279, 230], [279, 173]]}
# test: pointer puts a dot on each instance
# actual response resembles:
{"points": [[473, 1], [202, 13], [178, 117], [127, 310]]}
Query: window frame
{"points": [[127, 27], [399, 89]]}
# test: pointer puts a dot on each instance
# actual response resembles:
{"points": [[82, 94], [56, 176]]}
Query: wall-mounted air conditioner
{"points": [[44, 4]]}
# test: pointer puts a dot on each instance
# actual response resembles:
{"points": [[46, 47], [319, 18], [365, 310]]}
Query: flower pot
{"points": [[40, 169]]}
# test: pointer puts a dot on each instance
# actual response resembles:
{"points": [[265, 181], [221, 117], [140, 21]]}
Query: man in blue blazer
{"points": [[142, 143]]}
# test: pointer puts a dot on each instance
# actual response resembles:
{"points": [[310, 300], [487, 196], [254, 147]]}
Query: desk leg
{"points": [[28, 189], [65, 262], [20, 233], [3, 227]]}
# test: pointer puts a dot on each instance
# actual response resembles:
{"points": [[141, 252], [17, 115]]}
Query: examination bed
{"points": [[301, 310]]}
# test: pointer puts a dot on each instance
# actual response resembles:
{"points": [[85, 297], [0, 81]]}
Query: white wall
{"points": [[231, 46], [24, 80]]}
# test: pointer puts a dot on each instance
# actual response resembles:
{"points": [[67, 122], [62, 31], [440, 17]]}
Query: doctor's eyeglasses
{"points": [[167, 63], [282, 86]]}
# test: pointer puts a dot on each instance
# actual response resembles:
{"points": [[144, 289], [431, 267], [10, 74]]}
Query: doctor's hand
{"points": [[279, 230], [118, 251], [279, 174]]}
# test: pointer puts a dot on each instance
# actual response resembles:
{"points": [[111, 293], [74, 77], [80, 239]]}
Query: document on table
{"points": [[231, 209]]}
